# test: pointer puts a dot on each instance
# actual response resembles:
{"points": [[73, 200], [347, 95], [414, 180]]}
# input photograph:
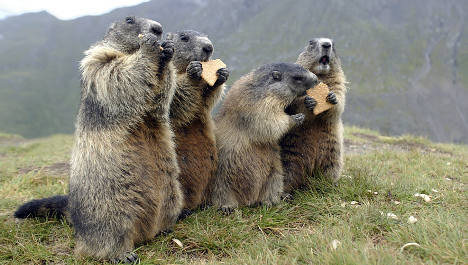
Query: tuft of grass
{"points": [[376, 181]]}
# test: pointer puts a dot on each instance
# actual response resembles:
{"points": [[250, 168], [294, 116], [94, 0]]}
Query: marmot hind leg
{"points": [[172, 205], [272, 190]]}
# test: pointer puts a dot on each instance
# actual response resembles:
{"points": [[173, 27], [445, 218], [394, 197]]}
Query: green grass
{"points": [[299, 231]]}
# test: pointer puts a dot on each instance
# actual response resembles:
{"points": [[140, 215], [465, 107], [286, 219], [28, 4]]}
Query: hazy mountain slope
{"points": [[406, 61]]}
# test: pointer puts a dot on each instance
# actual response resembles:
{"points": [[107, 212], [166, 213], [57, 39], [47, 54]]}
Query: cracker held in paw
{"points": [[320, 93], [209, 70]]}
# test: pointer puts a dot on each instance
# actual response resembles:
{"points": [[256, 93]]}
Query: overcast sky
{"points": [[63, 9]]}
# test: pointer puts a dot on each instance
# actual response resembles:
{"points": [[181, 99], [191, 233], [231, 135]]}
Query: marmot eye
{"points": [[276, 75], [130, 20], [312, 43], [184, 38]]}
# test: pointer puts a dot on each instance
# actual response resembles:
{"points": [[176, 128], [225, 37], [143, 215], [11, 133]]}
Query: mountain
{"points": [[406, 61]]}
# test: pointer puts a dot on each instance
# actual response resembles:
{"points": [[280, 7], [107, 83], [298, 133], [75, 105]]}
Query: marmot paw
{"points": [[223, 75], [127, 258], [184, 214], [226, 210], [298, 118], [310, 103], [194, 70], [167, 50], [331, 98], [286, 197]]}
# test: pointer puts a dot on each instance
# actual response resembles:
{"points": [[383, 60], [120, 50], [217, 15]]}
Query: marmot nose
{"points": [[311, 80], [326, 45], [156, 29], [208, 48]]}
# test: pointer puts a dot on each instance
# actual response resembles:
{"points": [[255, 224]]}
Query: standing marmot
{"points": [[190, 114], [316, 146], [123, 176], [249, 125]]}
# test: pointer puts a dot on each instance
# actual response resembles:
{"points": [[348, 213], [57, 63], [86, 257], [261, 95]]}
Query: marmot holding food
{"points": [[249, 125], [124, 184], [190, 114], [316, 146]]}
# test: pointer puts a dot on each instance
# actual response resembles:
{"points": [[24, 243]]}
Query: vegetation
{"points": [[361, 220]]}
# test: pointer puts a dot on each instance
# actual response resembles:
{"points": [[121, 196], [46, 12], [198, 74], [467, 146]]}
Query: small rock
{"points": [[354, 202], [426, 197], [375, 193], [412, 220], [396, 202], [392, 216], [177, 241], [448, 163], [343, 204], [434, 190], [335, 244], [369, 191]]}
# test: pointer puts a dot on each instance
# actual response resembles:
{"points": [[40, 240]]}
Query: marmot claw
{"points": [[128, 258], [331, 98]]}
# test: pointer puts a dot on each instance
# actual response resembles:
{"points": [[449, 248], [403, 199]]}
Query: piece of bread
{"points": [[320, 93], [209, 70]]}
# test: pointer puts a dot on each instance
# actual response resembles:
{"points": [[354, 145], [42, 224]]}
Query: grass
{"points": [[378, 179]]}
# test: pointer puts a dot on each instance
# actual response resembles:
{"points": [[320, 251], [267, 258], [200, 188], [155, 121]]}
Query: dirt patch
{"points": [[368, 137], [62, 168], [374, 143], [11, 140], [352, 147]]}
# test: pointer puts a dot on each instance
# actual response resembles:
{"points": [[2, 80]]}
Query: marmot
{"points": [[316, 146], [191, 117], [249, 125], [123, 177]]}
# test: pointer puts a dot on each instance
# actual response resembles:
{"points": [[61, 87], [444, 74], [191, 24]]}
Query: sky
{"points": [[63, 9]]}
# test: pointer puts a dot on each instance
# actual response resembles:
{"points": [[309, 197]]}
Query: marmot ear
{"points": [[170, 36], [276, 75]]}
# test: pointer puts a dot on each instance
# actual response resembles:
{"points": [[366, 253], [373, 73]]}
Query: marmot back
{"points": [[191, 114], [316, 146], [248, 126]]}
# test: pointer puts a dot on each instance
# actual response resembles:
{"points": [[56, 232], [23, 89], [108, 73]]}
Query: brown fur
{"points": [[191, 117], [248, 127], [123, 179], [317, 145]]}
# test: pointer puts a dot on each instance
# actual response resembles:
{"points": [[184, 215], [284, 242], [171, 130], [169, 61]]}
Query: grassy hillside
{"points": [[406, 61], [381, 176]]}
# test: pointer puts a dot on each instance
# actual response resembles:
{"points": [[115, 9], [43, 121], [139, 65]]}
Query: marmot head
{"points": [[123, 35], [190, 45], [282, 81], [319, 56]]}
